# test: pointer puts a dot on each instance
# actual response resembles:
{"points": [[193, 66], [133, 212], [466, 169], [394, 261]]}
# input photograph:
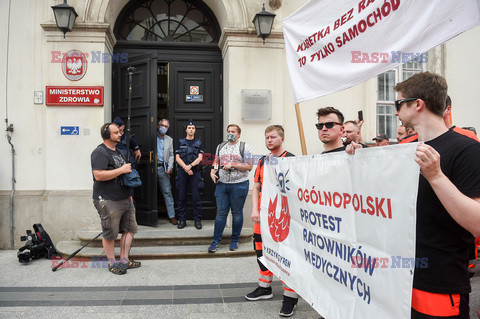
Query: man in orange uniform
{"points": [[274, 138]]}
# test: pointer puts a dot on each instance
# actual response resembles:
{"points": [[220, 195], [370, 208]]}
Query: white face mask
{"points": [[230, 137]]}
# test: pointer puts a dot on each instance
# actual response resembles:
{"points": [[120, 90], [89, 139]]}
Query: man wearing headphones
{"points": [[112, 200]]}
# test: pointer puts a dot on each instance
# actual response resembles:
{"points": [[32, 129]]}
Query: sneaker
{"points": [[233, 246], [213, 247], [288, 306], [260, 293]]}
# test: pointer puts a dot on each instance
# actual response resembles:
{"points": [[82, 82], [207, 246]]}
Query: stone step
{"points": [[166, 234], [65, 248]]}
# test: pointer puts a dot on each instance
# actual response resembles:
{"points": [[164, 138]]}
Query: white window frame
{"points": [[389, 104]]}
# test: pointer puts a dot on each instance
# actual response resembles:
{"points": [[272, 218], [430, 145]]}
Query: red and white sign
{"points": [[74, 95], [74, 65], [324, 39], [194, 90]]}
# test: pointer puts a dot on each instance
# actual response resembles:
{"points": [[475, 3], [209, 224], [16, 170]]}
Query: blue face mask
{"points": [[162, 130], [230, 137]]}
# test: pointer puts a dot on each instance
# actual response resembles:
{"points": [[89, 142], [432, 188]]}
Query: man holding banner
{"points": [[274, 138], [330, 129], [448, 204]]}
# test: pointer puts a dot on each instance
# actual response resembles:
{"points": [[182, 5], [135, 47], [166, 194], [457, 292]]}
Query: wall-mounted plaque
{"points": [[256, 105]]}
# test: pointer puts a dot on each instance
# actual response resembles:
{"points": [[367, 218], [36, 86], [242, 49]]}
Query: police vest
{"points": [[187, 153]]}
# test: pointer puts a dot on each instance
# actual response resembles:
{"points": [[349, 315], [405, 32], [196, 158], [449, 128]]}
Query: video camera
{"points": [[38, 243]]}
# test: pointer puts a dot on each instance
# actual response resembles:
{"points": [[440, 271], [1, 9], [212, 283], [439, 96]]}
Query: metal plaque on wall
{"points": [[256, 105]]}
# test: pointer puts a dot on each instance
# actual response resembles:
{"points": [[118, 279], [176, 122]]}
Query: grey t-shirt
{"points": [[103, 158]]}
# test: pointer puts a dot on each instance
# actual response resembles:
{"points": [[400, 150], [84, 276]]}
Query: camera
{"points": [[38, 245]]}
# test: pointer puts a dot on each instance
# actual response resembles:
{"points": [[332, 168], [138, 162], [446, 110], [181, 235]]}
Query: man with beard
{"points": [[351, 133], [112, 200], [330, 129]]}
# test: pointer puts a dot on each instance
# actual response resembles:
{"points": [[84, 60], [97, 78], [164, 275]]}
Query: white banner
{"points": [[340, 229], [332, 45]]}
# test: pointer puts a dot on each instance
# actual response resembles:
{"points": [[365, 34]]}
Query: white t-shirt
{"points": [[231, 154]]}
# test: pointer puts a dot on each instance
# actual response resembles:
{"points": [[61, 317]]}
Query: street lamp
{"points": [[263, 22], [65, 16]]}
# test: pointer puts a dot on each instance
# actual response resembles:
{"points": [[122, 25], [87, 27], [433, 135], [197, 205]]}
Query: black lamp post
{"points": [[65, 16], [263, 22]]}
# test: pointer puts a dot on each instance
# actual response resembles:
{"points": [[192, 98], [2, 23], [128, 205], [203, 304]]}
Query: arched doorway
{"points": [[173, 45]]}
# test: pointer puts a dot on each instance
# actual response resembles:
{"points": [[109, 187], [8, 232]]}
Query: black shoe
{"points": [[182, 224], [288, 306], [198, 224], [260, 293]]}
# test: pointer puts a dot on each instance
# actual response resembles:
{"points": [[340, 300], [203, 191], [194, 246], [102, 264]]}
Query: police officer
{"points": [[189, 154]]}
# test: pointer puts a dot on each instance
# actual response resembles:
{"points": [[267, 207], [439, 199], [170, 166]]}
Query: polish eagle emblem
{"points": [[74, 66]]}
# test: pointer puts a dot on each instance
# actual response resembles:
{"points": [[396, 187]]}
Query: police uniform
{"points": [[189, 150]]}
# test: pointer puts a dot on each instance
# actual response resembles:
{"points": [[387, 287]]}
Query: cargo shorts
{"points": [[116, 216]]}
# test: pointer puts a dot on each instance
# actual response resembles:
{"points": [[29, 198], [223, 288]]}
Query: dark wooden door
{"points": [[143, 126], [204, 107]]}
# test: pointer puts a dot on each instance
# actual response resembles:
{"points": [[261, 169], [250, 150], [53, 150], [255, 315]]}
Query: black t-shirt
{"points": [[338, 149], [439, 237], [103, 158]]}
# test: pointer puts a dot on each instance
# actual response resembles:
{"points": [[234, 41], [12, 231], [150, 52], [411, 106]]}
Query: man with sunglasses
{"points": [[330, 129], [448, 202]]}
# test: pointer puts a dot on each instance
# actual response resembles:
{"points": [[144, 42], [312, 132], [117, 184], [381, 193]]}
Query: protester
{"points": [[401, 133], [447, 119], [135, 153], [233, 162], [448, 202], [330, 129], [189, 155], [165, 166], [351, 132], [381, 139], [274, 138], [411, 137], [112, 200], [471, 129]]}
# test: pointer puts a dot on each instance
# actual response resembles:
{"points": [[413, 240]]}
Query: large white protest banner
{"points": [[340, 229], [332, 45]]}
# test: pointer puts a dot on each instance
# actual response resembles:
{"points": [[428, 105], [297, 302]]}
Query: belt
{"points": [[160, 164]]}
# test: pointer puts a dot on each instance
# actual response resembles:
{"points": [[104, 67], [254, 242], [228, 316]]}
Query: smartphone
{"points": [[360, 115]]}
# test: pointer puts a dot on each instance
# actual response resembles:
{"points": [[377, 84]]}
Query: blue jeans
{"points": [[166, 188], [230, 196]]}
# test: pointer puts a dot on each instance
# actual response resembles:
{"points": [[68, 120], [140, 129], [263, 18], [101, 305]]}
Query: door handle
{"points": [[151, 153]]}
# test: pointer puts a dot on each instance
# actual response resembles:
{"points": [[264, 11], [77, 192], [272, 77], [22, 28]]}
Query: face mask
{"points": [[230, 137], [162, 130]]}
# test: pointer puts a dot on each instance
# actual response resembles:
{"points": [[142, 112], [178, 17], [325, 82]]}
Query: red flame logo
{"points": [[279, 228]]}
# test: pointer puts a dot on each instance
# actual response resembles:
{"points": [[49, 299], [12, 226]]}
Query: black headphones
{"points": [[106, 131]]}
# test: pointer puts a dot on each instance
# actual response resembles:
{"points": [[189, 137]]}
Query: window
{"points": [[168, 21], [387, 122]]}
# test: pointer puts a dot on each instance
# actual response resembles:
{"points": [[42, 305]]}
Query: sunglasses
{"points": [[328, 125], [398, 103]]}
